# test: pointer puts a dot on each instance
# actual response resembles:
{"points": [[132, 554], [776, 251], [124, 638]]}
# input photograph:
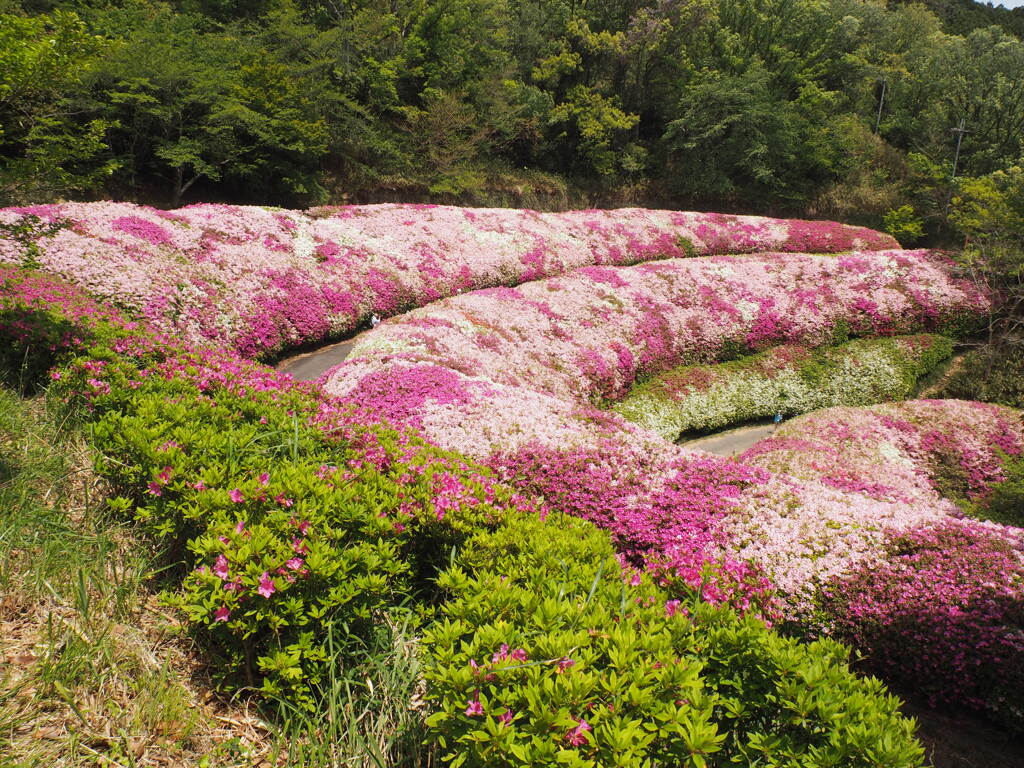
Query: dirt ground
{"points": [[962, 740]]}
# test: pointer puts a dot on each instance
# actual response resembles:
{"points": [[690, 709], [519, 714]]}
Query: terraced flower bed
{"points": [[588, 592]]}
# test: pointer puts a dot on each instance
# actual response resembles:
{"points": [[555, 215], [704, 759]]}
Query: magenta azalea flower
{"points": [[506, 717], [475, 707], [220, 568], [236, 496], [575, 736], [266, 585], [154, 488], [264, 479], [222, 614]]}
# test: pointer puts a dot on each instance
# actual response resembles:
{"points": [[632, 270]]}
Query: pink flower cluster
{"points": [[664, 512], [263, 280], [22, 289], [942, 614], [844, 480], [916, 452]]}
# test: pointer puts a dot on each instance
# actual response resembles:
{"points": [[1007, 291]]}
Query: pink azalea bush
{"points": [[941, 614], [934, 601], [263, 280], [588, 335], [282, 525], [32, 347], [914, 452]]}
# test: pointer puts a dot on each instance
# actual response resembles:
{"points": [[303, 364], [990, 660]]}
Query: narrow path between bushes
{"points": [[934, 384], [731, 442], [309, 366]]}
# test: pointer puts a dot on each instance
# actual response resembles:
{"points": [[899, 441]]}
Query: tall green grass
{"points": [[71, 580], [79, 584], [371, 715]]}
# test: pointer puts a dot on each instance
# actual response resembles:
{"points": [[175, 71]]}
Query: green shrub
{"points": [[789, 379], [546, 654], [992, 375], [1005, 503], [904, 224], [285, 530]]}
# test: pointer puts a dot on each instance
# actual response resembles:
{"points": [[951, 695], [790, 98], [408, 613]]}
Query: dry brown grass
{"points": [[93, 670]]}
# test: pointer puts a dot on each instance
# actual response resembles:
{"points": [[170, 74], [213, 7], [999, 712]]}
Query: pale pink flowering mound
{"points": [[262, 280]]}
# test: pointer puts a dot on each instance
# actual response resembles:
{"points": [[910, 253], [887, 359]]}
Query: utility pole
{"points": [[959, 131], [881, 101]]}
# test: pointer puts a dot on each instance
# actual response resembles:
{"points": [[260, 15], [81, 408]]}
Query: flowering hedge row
{"points": [[790, 380], [913, 452], [262, 280], [286, 529], [507, 376], [939, 607], [585, 337]]}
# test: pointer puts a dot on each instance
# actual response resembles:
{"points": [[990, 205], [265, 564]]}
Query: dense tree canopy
{"points": [[808, 106]]}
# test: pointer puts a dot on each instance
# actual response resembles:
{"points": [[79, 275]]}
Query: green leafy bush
{"points": [[789, 379], [546, 653], [904, 224], [286, 530], [1005, 502]]}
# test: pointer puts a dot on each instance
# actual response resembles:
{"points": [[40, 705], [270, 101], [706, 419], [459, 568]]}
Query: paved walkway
{"points": [[733, 442], [312, 365]]}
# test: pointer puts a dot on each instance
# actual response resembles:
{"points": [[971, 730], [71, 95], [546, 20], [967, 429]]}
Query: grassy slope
{"points": [[92, 671], [95, 672]]}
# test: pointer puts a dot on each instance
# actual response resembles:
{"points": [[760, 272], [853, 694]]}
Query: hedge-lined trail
{"points": [[731, 442], [475, 421], [310, 366]]}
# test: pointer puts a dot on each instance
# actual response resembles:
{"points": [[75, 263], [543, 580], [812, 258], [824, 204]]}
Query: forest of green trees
{"points": [[832, 108]]}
